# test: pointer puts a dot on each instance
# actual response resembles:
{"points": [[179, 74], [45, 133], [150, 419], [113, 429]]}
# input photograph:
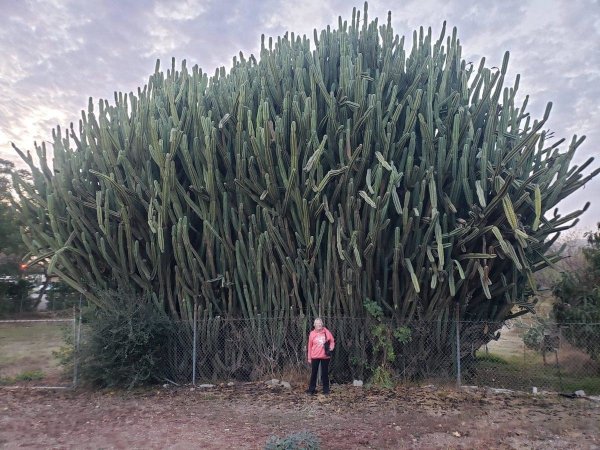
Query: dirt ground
{"points": [[244, 416]]}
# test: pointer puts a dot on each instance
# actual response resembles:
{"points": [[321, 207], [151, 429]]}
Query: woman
{"points": [[317, 356]]}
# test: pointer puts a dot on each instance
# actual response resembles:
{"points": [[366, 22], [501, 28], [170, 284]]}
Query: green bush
{"points": [[303, 440], [578, 307], [30, 375], [491, 358], [65, 355], [125, 346], [533, 337], [14, 296], [386, 340]]}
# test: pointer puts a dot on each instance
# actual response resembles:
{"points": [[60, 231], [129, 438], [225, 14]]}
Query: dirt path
{"points": [[244, 416]]}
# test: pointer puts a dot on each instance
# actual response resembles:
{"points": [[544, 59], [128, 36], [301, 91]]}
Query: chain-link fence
{"points": [[561, 358], [219, 349], [514, 355]]}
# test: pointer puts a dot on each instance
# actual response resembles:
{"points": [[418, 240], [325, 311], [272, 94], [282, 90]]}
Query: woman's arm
{"points": [[330, 339], [309, 346]]}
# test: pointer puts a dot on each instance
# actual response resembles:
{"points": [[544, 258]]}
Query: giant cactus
{"points": [[308, 180]]}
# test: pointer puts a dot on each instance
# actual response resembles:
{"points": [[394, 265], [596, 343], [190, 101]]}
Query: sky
{"points": [[55, 54]]}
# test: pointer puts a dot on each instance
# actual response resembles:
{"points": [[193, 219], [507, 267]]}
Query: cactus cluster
{"points": [[303, 182]]}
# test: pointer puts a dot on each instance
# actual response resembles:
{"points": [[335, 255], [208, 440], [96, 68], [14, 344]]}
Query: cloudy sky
{"points": [[55, 54]]}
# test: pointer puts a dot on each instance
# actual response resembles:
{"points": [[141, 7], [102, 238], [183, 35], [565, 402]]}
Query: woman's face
{"points": [[318, 324]]}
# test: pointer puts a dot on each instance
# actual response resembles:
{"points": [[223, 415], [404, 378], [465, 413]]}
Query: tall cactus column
{"points": [[307, 180]]}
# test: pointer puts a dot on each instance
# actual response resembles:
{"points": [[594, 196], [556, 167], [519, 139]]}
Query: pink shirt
{"points": [[316, 343]]}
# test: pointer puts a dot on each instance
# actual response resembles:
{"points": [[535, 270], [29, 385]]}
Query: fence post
{"points": [[458, 381], [560, 380], [194, 344], [77, 327], [74, 346]]}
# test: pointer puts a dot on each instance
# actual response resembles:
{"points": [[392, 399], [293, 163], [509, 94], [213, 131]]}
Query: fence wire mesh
{"points": [[513, 355], [249, 350], [560, 358]]}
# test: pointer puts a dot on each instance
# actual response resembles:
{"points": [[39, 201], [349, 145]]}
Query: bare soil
{"points": [[244, 416]]}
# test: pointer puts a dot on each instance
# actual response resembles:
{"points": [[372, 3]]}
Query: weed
{"points": [[30, 375], [491, 358], [382, 377], [303, 440]]}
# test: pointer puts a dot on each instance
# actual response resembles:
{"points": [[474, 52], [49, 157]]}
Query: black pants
{"points": [[324, 375]]}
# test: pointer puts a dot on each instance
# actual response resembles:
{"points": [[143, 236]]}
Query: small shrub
{"points": [[126, 345], [577, 309], [303, 440], [385, 342], [533, 337], [403, 334], [538, 337], [30, 375], [66, 352], [382, 377]]}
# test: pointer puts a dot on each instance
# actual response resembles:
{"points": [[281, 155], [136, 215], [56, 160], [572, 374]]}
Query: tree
{"points": [[10, 237], [578, 300], [14, 291], [12, 248]]}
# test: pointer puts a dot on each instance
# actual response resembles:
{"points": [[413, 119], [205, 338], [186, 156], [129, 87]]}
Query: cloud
{"points": [[177, 10]]}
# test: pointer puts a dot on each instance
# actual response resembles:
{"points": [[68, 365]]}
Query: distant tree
{"points": [[59, 295], [14, 290], [14, 296], [10, 237], [539, 336], [578, 295]]}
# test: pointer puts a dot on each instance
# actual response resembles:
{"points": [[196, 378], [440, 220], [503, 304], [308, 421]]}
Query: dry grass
{"points": [[29, 347], [510, 344], [509, 363]]}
